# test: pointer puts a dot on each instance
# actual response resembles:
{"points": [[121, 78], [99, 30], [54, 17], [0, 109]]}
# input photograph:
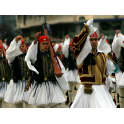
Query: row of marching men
{"points": [[39, 77], [34, 77]]}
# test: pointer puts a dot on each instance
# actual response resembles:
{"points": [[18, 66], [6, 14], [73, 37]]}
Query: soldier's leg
{"points": [[59, 105], [9, 105], [0, 103], [26, 105], [121, 97], [19, 105], [72, 91]]}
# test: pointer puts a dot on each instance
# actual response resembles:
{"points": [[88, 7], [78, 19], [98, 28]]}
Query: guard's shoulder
{"points": [[102, 53], [104, 56]]}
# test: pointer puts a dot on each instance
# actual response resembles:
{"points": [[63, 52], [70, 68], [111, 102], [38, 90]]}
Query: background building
{"points": [[60, 25]]}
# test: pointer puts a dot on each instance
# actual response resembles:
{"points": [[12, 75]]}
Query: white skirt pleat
{"points": [[72, 76], [27, 93], [120, 79], [63, 83], [3, 88], [100, 98], [46, 93], [15, 92]]}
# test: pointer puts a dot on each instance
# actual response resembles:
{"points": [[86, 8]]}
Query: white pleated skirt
{"points": [[15, 92], [72, 76], [100, 98], [47, 93], [3, 88]]}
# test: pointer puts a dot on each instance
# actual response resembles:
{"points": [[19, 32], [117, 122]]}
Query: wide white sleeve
{"points": [[13, 51], [121, 40], [110, 67], [65, 50], [103, 46], [31, 56], [87, 46], [56, 47], [115, 46], [84, 52]]}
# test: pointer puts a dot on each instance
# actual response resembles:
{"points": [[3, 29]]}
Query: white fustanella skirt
{"points": [[15, 92], [47, 92], [100, 98], [3, 88]]}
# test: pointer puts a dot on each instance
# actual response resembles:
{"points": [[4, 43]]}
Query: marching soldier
{"points": [[118, 49], [71, 72], [5, 74], [48, 84], [92, 92], [16, 52]]}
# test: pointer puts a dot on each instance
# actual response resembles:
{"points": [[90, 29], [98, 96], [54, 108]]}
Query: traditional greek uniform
{"points": [[104, 47], [118, 49], [5, 75], [15, 89], [71, 72], [47, 90], [92, 92]]}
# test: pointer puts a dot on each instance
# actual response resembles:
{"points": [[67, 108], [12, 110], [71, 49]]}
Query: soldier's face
{"points": [[94, 42], [23, 48], [44, 46]]}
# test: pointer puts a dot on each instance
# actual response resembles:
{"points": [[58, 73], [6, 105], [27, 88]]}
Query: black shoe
{"points": [[118, 106], [67, 101], [67, 94], [70, 104]]}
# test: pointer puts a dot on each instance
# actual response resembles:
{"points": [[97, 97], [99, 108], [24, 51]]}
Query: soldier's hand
{"points": [[59, 75], [28, 85], [37, 35], [19, 37]]}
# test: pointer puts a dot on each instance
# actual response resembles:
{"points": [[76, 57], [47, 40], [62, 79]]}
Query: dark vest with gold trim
{"points": [[45, 68], [5, 71], [19, 68]]}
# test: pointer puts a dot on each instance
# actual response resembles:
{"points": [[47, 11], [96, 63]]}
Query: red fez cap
{"points": [[43, 39], [94, 35], [107, 41], [22, 41]]}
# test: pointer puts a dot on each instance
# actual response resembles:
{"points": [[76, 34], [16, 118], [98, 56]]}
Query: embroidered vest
{"points": [[20, 70], [5, 71], [93, 70], [45, 68]]}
